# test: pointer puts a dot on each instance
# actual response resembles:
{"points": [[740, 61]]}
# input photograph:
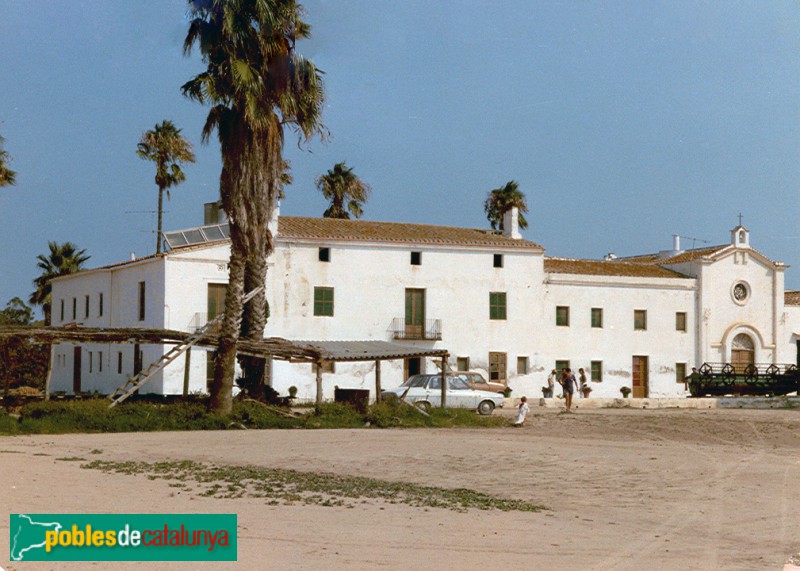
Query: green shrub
{"points": [[8, 424]]}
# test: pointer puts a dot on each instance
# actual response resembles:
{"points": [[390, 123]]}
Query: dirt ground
{"points": [[626, 489]]}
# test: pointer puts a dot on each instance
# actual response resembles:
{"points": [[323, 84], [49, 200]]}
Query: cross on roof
{"points": [[740, 219]]}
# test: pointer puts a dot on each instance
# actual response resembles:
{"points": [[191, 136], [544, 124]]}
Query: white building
{"points": [[494, 300]]}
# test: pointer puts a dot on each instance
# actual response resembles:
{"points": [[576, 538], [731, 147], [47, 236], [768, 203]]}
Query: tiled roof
{"points": [[791, 297], [607, 268], [369, 231], [683, 257]]}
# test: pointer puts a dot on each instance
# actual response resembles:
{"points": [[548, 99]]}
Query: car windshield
{"points": [[475, 378], [415, 381]]}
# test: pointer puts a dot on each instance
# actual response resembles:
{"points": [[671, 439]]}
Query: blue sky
{"points": [[624, 122]]}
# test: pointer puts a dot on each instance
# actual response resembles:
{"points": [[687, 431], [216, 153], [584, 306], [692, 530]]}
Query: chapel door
{"points": [[742, 353], [640, 377]]}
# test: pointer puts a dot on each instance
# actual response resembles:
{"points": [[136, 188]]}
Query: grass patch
{"points": [[279, 486], [93, 415]]}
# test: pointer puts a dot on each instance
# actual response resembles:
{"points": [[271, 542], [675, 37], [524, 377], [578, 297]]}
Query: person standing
{"points": [[584, 383], [568, 383], [551, 383]]}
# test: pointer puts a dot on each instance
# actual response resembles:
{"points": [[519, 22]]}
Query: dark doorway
{"points": [[76, 370]]}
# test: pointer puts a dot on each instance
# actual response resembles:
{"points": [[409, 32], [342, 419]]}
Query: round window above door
{"points": [[740, 292]]}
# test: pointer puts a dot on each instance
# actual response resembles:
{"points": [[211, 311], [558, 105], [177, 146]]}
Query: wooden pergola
{"points": [[316, 352]]}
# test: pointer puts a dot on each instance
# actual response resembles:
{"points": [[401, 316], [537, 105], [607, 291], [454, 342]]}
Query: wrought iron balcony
{"points": [[431, 329]]}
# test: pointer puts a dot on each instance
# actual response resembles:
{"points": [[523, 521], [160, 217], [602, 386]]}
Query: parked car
{"points": [[477, 381], [425, 392]]}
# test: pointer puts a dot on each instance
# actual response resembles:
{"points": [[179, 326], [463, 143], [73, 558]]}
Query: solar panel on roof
{"points": [[199, 235]]}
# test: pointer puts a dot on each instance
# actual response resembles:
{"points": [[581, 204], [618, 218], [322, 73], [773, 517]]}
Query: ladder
{"points": [[137, 381]]}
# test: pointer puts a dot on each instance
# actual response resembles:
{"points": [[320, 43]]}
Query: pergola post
{"points": [[378, 380], [319, 383], [186, 368], [444, 380]]}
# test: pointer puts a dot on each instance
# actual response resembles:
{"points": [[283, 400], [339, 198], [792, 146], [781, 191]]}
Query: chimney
{"points": [[676, 248], [213, 213], [511, 224], [273, 221], [676, 242]]}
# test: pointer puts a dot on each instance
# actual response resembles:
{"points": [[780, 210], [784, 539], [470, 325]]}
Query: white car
{"points": [[425, 392]]}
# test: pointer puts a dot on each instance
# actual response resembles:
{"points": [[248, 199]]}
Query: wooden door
{"points": [[412, 367], [497, 367], [216, 301], [742, 353], [415, 314], [76, 370], [640, 377]]}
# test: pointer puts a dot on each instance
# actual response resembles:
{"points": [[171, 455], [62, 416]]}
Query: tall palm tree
{"points": [[501, 200], [256, 83], [61, 260], [165, 146], [7, 176], [345, 190]]}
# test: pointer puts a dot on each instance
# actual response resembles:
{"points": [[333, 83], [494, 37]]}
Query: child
{"points": [[523, 412]]}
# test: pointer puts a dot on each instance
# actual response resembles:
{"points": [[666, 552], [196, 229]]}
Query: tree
{"points": [[21, 361], [165, 146], [501, 200], [7, 176], [256, 83], [63, 259], [345, 190]]}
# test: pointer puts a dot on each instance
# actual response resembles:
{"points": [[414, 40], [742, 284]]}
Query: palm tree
{"points": [[165, 146], [501, 200], [7, 176], [256, 83], [341, 186], [61, 260]]}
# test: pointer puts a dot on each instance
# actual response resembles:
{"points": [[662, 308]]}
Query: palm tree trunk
{"points": [[224, 368], [160, 215]]}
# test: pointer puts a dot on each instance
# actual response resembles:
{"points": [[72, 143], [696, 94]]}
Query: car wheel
{"points": [[424, 406], [486, 407]]}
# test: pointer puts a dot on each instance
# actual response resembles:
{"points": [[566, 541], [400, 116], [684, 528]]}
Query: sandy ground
{"points": [[627, 489]]}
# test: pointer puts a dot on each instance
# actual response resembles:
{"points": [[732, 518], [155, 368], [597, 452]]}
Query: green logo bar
{"points": [[123, 537]]}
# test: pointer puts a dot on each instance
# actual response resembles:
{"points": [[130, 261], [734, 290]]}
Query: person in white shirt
{"points": [[523, 412], [551, 383]]}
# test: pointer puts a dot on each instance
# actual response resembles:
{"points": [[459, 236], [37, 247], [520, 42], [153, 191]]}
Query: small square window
{"points": [[522, 365], [562, 315], [416, 258], [680, 321], [462, 363], [498, 260], [597, 371], [597, 317], [497, 305], [561, 365], [324, 254], [680, 372], [640, 319], [323, 301]]}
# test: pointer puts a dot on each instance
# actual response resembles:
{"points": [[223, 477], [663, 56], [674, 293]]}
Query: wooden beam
{"points": [[319, 383], [444, 381], [377, 381], [186, 369]]}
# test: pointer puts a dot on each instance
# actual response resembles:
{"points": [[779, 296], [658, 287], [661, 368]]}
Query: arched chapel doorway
{"points": [[743, 352]]}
